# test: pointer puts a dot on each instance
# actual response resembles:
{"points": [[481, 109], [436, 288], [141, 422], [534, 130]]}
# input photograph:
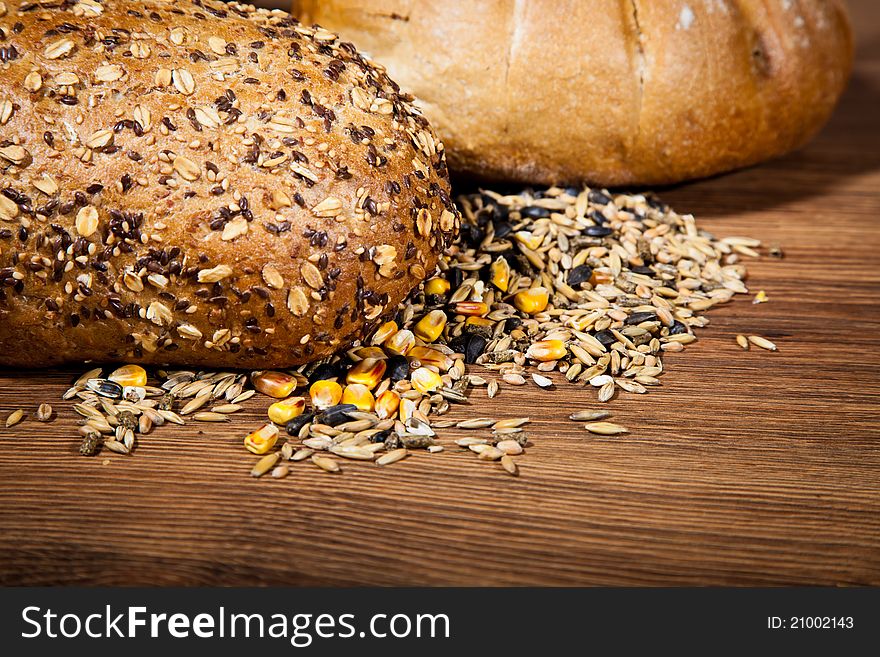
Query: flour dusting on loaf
{"points": [[203, 183]]}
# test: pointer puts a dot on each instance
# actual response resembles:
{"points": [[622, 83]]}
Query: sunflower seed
{"points": [[105, 388]]}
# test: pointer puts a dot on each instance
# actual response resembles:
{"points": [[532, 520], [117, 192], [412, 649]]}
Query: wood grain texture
{"points": [[745, 468]]}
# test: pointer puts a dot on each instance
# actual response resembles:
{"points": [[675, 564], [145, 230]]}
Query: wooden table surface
{"points": [[744, 468]]}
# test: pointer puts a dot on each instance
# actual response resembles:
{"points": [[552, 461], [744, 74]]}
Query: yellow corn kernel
{"points": [[401, 342], [129, 375], [527, 239], [477, 308], [431, 326], [425, 380], [545, 350], [370, 352], [532, 301], [282, 412], [359, 395], [369, 372], [601, 278], [429, 356], [438, 286], [384, 332], [325, 394], [499, 274], [387, 404], [479, 321], [274, 384], [407, 409], [262, 440]]}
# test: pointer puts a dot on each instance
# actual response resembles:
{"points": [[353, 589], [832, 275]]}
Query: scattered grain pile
{"points": [[594, 286]]}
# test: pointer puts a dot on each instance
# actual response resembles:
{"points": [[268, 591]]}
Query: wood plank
{"points": [[746, 468]]}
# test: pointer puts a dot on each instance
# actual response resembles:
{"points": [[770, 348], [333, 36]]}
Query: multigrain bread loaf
{"points": [[203, 184], [610, 91]]}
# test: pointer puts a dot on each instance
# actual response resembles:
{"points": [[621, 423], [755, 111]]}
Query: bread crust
{"points": [[203, 184], [614, 92]]}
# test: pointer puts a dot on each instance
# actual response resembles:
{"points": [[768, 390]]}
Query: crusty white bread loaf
{"points": [[204, 184], [609, 91]]}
